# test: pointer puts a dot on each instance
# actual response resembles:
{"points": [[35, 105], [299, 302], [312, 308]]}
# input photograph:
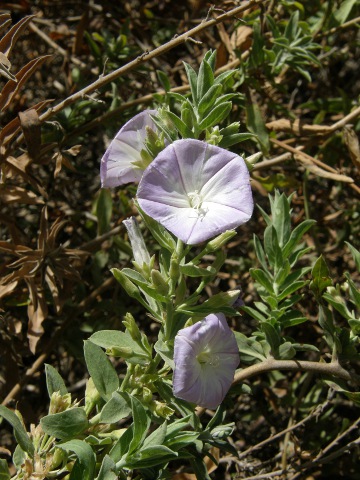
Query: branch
{"points": [[333, 369]]}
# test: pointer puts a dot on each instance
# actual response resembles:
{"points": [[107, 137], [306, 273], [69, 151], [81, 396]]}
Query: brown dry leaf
{"points": [[8, 40], [13, 127], [13, 194], [37, 312], [352, 143], [241, 38], [5, 21], [210, 466], [5, 66], [18, 166], [8, 289], [11, 87], [31, 127], [62, 158]]}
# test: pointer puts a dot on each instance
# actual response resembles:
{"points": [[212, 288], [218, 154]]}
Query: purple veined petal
{"points": [[206, 356], [117, 164], [196, 190]]}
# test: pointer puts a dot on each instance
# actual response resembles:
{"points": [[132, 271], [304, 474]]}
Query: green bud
{"points": [[254, 158], [58, 457], [132, 328], [147, 395], [59, 403], [174, 271], [159, 282], [214, 137], [220, 240], [92, 396], [161, 409], [124, 352]]}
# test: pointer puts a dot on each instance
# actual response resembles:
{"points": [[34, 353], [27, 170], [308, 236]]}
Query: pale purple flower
{"points": [[206, 356], [141, 254], [196, 190], [121, 161]]}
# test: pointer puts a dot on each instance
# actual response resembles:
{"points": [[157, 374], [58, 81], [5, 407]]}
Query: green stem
{"points": [[128, 374]]}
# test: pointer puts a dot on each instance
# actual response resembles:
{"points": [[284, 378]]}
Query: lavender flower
{"points": [[141, 254], [196, 190], [206, 356], [122, 160]]}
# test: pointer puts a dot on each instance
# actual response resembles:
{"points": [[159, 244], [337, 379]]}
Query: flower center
{"points": [[195, 200], [209, 358]]}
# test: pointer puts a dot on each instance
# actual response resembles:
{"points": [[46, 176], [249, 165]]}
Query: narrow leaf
{"points": [[19, 430], [54, 381], [86, 458], [67, 424]]}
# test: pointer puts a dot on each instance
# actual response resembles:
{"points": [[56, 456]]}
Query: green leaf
{"points": [[263, 278], [209, 98], [260, 254], [164, 80], [117, 408], [291, 289], [101, 370], [320, 277], [141, 425], [130, 288], [256, 125], [21, 436], [286, 351], [157, 437], [280, 209], [272, 248], [355, 254], [4, 470], [205, 79], [216, 115], [249, 347], [122, 445], [235, 138], [194, 271], [85, 465], [354, 291], [107, 469], [342, 14], [192, 77], [117, 340], [67, 424], [151, 456], [54, 382], [291, 318], [161, 235], [182, 128], [272, 336], [140, 281], [104, 210]]}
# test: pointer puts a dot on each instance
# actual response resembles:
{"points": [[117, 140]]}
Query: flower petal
{"points": [[196, 190], [117, 164], [201, 382]]}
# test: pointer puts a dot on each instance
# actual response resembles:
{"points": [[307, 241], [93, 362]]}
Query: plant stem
{"points": [[333, 369]]}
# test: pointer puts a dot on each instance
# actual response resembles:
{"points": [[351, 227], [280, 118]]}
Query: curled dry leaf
{"points": [[30, 124], [14, 194], [12, 87], [352, 143]]}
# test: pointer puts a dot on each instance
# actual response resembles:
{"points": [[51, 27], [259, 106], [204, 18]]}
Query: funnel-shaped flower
{"points": [[196, 190], [120, 163], [206, 356]]}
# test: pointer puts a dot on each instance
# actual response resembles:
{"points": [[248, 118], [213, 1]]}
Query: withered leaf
{"points": [[31, 127], [11, 87], [352, 143], [9, 39], [14, 194]]}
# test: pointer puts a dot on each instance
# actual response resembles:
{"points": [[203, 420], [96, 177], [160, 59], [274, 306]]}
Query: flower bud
{"points": [[159, 282], [220, 240], [141, 254], [132, 328]]}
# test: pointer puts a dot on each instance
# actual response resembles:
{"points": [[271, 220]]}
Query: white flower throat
{"points": [[196, 200], [206, 357]]}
